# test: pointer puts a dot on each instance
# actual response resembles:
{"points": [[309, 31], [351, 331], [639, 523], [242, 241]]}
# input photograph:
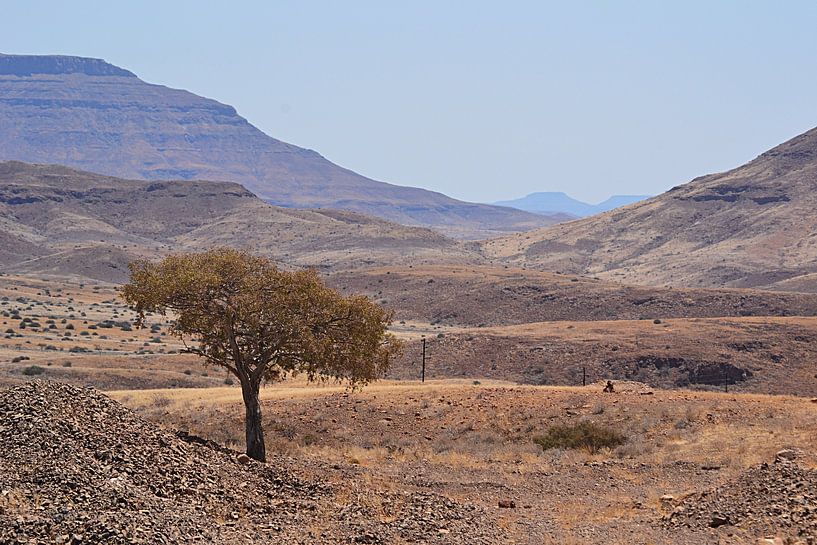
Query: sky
{"points": [[482, 101]]}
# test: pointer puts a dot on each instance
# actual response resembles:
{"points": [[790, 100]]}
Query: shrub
{"points": [[33, 370], [228, 381], [584, 435], [18, 359]]}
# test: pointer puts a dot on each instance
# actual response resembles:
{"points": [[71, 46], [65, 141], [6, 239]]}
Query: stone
{"points": [[243, 459], [785, 454], [507, 504], [718, 521]]}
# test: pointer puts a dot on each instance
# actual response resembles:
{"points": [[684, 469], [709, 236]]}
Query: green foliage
{"points": [[584, 435], [33, 370], [240, 312], [259, 322]]}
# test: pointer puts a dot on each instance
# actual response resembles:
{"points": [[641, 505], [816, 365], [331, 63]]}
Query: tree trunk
{"points": [[252, 423]]}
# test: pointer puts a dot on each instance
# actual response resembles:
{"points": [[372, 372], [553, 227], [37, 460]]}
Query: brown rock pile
{"points": [[77, 467], [768, 500]]}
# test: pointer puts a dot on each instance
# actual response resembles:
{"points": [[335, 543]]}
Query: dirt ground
{"points": [[469, 432], [81, 333], [474, 442]]}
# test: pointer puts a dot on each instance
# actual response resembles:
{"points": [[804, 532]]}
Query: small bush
{"points": [[584, 435], [161, 401], [228, 381], [33, 370]]}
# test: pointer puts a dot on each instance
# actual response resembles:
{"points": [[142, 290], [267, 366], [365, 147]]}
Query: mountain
{"points": [[88, 114], [753, 226], [556, 202], [56, 220]]}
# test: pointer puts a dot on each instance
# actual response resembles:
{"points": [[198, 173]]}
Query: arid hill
{"points": [[91, 115], [753, 226], [479, 295], [56, 220]]}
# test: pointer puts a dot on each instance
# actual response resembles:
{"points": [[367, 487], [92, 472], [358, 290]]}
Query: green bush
{"points": [[33, 370], [584, 435]]}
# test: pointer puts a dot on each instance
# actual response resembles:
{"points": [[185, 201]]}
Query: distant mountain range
{"points": [[753, 226], [553, 202], [88, 114]]}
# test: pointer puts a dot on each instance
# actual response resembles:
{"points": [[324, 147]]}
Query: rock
{"points": [[243, 459], [507, 504], [667, 500], [718, 521], [785, 454]]}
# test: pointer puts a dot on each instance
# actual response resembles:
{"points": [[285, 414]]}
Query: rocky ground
{"points": [[83, 334], [475, 443], [78, 467], [778, 498]]}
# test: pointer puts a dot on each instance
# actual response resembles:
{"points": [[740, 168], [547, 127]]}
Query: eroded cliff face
{"points": [[91, 115]]}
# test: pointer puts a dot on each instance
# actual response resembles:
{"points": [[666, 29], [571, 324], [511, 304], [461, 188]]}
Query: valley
{"points": [[637, 371]]}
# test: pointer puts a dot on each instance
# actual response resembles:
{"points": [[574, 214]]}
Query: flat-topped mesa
{"points": [[28, 65]]}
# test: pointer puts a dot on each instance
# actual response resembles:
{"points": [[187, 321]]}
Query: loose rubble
{"points": [[777, 499], [77, 467]]}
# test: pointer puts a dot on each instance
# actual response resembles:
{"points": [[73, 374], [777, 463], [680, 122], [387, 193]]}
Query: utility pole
{"points": [[584, 376], [423, 375]]}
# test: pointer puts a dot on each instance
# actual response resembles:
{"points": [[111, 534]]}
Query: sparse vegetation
{"points": [[261, 323], [585, 435]]}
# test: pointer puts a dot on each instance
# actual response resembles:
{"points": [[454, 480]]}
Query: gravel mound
{"points": [[77, 467], [768, 500]]}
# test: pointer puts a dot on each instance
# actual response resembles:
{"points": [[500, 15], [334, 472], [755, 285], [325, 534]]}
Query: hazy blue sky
{"points": [[480, 100]]}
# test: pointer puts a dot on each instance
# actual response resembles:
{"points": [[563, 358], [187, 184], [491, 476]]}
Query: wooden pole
{"points": [[423, 375], [584, 376]]}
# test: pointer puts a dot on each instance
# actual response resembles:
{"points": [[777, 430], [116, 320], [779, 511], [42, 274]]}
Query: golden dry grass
{"points": [[475, 442]]}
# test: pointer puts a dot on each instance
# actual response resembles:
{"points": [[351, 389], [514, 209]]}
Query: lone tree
{"points": [[241, 312]]}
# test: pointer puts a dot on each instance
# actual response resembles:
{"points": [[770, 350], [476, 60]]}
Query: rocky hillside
{"points": [[490, 296], [91, 115], [57, 220], [753, 226], [79, 468]]}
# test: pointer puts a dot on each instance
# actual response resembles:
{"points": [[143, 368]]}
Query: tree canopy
{"points": [[261, 323]]}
